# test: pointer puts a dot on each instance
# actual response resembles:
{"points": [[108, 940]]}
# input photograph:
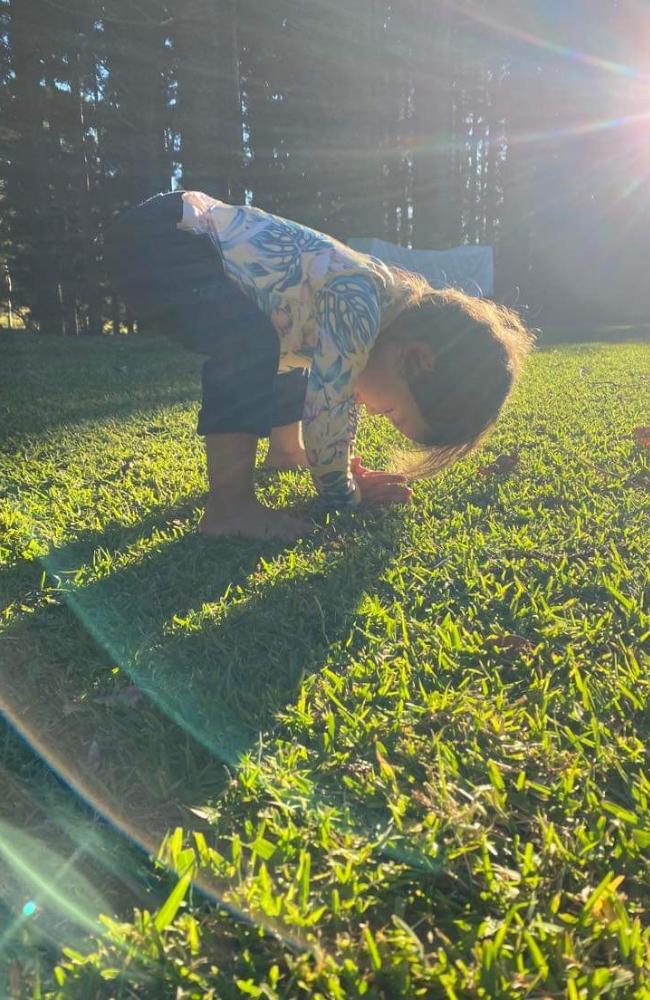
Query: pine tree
{"points": [[69, 74], [136, 55], [208, 102], [263, 82], [35, 228], [435, 213], [133, 111]]}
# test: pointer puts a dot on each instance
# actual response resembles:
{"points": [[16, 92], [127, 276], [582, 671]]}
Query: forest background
{"points": [[521, 125]]}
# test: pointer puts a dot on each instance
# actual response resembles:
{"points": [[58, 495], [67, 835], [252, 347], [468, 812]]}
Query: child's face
{"points": [[383, 390]]}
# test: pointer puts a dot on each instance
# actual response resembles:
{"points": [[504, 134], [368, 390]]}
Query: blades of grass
{"points": [[169, 908]]}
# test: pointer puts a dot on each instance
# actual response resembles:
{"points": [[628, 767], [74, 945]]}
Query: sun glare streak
{"points": [[74, 780], [226, 745], [43, 871], [11, 930], [546, 44], [209, 885], [536, 136], [212, 888], [581, 129], [631, 187]]}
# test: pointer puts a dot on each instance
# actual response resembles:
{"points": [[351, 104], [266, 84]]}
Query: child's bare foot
{"points": [[253, 521], [277, 460]]}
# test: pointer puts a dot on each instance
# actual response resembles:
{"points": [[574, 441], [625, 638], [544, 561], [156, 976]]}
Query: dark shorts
{"points": [[176, 281]]}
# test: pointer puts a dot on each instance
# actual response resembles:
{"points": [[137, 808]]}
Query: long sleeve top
{"points": [[327, 303]]}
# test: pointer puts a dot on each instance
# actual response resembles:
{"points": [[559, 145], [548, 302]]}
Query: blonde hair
{"points": [[480, 349]]}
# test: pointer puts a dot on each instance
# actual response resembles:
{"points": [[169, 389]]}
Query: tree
{"points": [[435, 211], [208, 101], [135, 142], [34, 221]]}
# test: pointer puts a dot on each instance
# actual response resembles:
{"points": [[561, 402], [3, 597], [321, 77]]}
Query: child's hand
{"points": [[379, 488]]}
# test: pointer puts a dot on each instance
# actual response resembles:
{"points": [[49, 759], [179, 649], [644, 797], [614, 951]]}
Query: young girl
{"points": [[301, 328]]}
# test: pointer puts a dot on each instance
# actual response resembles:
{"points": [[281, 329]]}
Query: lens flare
{"points": [[547, 44]]}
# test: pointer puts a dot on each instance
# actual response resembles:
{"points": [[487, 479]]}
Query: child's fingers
{"points": [[381, 478], [360, 472], [384, 478], [384, 493], [358, 467]]}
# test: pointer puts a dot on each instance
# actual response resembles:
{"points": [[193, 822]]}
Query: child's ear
{"points": [[419, 357]]}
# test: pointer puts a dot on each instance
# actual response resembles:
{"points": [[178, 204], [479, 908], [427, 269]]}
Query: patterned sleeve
{"points": [[348, 317]]}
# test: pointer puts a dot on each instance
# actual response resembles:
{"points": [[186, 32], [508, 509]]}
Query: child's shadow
{"points": [[144, 687]]}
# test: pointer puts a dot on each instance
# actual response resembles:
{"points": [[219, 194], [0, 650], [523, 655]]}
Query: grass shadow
{"points": [[142, 688], [41, 389]]}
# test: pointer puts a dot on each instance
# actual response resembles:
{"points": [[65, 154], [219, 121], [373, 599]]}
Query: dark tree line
{"points": [[425, 122]]}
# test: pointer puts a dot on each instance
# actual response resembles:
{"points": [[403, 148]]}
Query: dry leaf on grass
{"points": [[502, 465], [642, 436], [514, 644]]}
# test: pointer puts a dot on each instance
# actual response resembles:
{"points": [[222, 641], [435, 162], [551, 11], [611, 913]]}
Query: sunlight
{"points": [[44, 877], [48, 876], [480, 16], [257, 740]]}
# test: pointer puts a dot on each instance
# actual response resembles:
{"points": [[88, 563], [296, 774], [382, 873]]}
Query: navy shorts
{"points": [[176, 281]]}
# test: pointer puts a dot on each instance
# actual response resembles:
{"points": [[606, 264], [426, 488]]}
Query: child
{"points": [[299, 327]]}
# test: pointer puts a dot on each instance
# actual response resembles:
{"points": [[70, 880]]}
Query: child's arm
{"points": [[348, 313]]}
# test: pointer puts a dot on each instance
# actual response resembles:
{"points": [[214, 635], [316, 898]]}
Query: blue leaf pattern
{"points": [[348, 311], [349, 307]]}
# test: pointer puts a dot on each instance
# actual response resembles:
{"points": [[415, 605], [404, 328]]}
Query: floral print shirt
{"points": [[327, 304]]}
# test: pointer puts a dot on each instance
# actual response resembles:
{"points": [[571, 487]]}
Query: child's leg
{"points": [[286, 447], [232, 507], [231, 460]]}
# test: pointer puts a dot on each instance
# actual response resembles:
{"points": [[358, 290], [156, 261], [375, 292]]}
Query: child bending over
{"points": [[300, 329]]}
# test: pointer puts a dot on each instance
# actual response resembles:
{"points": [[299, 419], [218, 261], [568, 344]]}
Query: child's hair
{"points": [[479, 351]]}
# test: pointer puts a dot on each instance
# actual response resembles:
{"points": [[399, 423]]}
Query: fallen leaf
{"points": [[502, 465], [203, 812], [421, 800], [642, 436], [512, 643], [386, 769]]}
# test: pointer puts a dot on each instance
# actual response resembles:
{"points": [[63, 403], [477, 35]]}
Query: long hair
{"points": [[479, 351]]}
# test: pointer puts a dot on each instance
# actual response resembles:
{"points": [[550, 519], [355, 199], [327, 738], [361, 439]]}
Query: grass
{"points": [[404, 757], [613, 334]]}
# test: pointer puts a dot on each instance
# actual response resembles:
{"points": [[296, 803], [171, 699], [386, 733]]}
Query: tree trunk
{"points": [[209, 106], [34, 229]]}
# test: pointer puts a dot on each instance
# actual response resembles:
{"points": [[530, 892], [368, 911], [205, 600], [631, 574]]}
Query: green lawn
{"points": [[405, 757]]}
